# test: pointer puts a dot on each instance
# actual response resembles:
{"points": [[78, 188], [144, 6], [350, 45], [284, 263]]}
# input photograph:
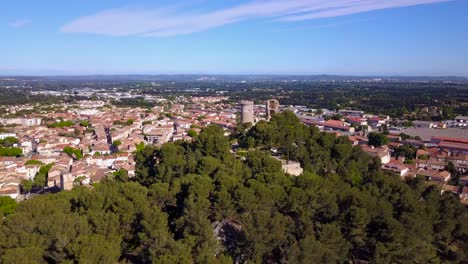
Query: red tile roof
{"points": [[453, 145], [449, 139]]}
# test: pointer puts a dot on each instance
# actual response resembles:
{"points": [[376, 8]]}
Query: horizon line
{"points": [[235, 74]]}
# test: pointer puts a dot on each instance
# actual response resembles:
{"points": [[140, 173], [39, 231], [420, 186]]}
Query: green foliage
{"points": [[7, 205], [337, 117], [129, 122], [23, 96], [377, 139], [198, 203], [76, 134], [192, 133], [454, 173], [140, 146], [133, 102], [262, 162], [73, 153], [40, 180], [10, 152], [84, 123], [61, 124], [212, 142], [33, 162], [8, 142], [121, 175], [116, 143], [407, 151], [145, 164], [405, 136], [79, 179], [27, 185], [448, 112], [29, 254]]}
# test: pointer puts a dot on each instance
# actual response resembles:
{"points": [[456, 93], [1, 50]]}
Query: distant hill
{"points": [[238, 78]]}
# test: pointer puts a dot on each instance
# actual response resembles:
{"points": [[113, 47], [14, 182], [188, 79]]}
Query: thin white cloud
{"points": [[19, 23], [359, 8], [170, 21]]}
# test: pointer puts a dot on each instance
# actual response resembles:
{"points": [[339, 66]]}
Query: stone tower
{"points": [[247, 112], [272, 108]]}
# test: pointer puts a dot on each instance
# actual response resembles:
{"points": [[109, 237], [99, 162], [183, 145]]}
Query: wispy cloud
{"points": [[19, 23], [170, 21]]}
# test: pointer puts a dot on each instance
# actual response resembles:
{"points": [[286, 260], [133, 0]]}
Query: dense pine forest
{"points": [[201, 203]]}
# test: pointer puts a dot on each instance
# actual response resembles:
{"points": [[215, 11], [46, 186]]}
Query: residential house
{"points": [[435, 176], [464, 193], [12, 191], [382, 152], [397, 167], [450, 189], [424, 124], [430, 164]]}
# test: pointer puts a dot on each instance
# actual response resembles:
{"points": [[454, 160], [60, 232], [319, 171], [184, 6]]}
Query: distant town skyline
{"points": [[305, 37]]}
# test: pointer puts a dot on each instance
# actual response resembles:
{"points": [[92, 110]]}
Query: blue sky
{"points": [[356, 37]]}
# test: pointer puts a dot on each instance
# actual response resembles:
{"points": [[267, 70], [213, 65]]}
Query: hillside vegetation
{"points": [[199, 203]]}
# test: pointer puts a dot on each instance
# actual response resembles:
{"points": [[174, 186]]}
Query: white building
{"points": [[5, 135]]}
